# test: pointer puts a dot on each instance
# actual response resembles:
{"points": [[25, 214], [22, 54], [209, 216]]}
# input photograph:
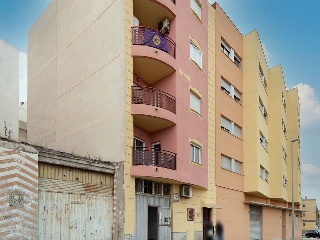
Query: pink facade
{"points": [[185, 124]]}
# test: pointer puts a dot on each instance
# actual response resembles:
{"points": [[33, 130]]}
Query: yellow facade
{"points": [[309, 215], [277, 126], [293, 132], [255, 154]]}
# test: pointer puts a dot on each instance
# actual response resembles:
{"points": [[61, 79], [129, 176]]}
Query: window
{"points": [[225, 49], [237, 96], [151, 187], [226, 87], [236, 61], [237, 131], [231, 127], [262, 77], [264, 174], [196, 8], [195, 102], [231, 164], [195, 54], [195, 153], [230, 90], [283, 126], [190, 214], [230, 53], [262, 109], [284, 181], [284, 155], [226, 124], [283, 101], [263, 141]]}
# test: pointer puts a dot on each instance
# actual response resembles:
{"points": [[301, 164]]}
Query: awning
{"points": [[209, 204], [270, 206]]}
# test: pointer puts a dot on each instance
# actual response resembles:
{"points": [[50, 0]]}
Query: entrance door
{"points": [[255, 223], [207, 223], [156, 153], [152, 223], [164, 223], [138, 152]]}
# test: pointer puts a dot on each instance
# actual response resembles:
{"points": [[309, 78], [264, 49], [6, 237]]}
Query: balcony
{"points": [[153, 38], [153, 54], [152, 109], [151, 157], [153, 97]]}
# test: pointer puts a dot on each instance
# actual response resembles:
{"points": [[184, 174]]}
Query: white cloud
{"points": [[22, 77], [266, 52], [309, 105]]}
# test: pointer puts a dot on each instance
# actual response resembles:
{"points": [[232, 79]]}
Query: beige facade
{"points": [[309, 215], [72, 48], [9, 91]]}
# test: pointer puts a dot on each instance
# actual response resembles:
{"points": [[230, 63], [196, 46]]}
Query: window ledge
{"points": [[196, 64], [197, 164], [231, 171], [195, 112]]}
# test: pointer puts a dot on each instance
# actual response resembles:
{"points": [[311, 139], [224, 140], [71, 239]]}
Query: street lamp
{"points": [[292, 186]]}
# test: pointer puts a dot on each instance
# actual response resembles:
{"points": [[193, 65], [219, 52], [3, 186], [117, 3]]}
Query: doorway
{"points": [[152, 223], [156, 147]]}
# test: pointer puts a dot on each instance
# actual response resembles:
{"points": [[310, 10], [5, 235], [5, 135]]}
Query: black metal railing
{"points": [[154, 157], [154, 97], [153, 38]]}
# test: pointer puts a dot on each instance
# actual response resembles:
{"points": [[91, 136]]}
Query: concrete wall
{"points": [[9, 91], [76, 79], [18, 191]]}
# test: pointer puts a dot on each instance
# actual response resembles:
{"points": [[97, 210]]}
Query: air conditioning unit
{"points": [[186, 191], [164, 26]]}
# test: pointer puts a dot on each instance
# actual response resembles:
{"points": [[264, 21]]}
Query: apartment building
{"points": [[309, 215], [256, 120], [127, 82], [172, 93]]}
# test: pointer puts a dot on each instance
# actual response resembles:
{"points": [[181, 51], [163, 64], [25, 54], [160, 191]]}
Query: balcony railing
{"points": [[153, 38], [154, 97], [153, 157]]}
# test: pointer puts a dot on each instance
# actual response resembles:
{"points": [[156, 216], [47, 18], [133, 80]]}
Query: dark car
{"points": [[313, 233]]}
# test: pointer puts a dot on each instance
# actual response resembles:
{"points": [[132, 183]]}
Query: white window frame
{"points": [[263, 141], [231, 164], [264, 174], [196, 8], [230, 53], [230, 127], [230, 90], [193, 153], [263, 109], [284, 181], [193, 50], [262, 77], [195, 102]]}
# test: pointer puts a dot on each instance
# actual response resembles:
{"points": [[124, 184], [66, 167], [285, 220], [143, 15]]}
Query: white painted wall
{"points": [[9, 91]]}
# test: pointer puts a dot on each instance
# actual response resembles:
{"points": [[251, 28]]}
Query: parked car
{"points": [[313, 233]]}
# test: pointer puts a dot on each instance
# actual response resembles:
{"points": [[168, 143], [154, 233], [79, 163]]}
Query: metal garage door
{"points": [[74, 204], [255, 223]]}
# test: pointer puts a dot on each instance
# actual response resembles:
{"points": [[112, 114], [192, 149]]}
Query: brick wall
{"points": [[18, 191]]}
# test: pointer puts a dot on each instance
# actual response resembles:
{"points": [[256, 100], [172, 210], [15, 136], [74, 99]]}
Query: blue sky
{"points": [[289, 31]]}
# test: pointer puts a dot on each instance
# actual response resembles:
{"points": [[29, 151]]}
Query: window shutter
{"points": [[226, 162], [195, 103], [238, 167], [195, 7], [237, 131], [225, 86], [226, 124]]}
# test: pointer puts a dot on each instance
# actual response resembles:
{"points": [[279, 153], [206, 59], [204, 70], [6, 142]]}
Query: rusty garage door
{"points": [[74, 203]]}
